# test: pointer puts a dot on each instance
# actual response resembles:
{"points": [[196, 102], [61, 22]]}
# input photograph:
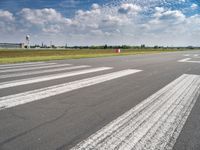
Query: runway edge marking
{"points": [[153, 124], [38, 94]]}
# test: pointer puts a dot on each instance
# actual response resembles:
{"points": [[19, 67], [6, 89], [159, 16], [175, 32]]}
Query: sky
{"points": [[99, 22]]}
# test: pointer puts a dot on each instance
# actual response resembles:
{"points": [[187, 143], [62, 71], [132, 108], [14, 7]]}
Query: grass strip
{"points": [[17, 56]]}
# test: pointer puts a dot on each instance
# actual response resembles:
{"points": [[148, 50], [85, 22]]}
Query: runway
{"points": [[141, 102]]}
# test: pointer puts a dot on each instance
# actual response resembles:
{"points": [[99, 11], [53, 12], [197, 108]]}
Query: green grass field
{"points": [[29, 55]]}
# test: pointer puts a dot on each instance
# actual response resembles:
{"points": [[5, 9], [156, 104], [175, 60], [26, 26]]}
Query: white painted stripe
{"points": [[26, 66], [196, 55], [154, 124], [193, 62], [187, 55], [34, 95], [185, 60], [20, 74], [19, 64], [34, 68], [188, 60], [49, 77]]}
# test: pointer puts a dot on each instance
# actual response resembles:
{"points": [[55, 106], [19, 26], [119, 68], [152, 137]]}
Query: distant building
{"points": [[11, 45]]}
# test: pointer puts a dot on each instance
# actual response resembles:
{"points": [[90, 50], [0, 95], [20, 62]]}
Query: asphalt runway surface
{"points": [[141, 102]]}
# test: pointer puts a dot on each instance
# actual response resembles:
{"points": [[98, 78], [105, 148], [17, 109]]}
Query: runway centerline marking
{"points": [[49, 77], [153, 124], [38, 94]]}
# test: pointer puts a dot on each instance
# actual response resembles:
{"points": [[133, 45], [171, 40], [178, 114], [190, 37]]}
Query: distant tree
{"points": [[190, 47], [143, 46], [156, 47], [105, 46], [125, 47], [66, 45]]}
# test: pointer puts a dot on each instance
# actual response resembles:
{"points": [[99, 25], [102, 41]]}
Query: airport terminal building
{"points": [[11, 45]]}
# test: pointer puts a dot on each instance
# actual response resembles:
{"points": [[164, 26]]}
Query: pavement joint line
{"points": [[38, 79], [155, 123], [34, 68], [20, 74], [38, 94]]}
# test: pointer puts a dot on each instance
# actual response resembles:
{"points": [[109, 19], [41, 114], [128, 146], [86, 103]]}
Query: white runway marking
{"points": [[154, 124], [185, 60], [49, 77], [34, 68], [191, 55], [193, 62], [26, 66], [34, 95], [20, 74], [188, 60], [21, 64]]}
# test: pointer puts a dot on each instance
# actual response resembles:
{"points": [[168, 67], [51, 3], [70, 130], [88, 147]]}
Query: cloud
{"points": [[69, 3], [127, 22], [194, 6], [47, 19], [96, 20], [171, 27], [165, 19], [6, 16], [128, 8], [7, 21]]}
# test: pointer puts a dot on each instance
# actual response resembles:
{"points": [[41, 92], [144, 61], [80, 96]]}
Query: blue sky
{"points": [[97, 22], [66, 7]]}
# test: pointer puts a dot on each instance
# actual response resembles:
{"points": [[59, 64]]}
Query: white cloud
{"points": [[84, 21], [95, 6], [49, 20], [171, 27], [6, 16], [128, 8], [169, 17], [194, 6], [96, 19], [126, 23], [7, 22], [69, 3]]}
